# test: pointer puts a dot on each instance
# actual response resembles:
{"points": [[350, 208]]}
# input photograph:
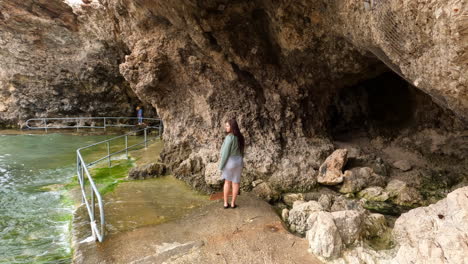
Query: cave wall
{"points": [[275, 65], [53, 63], [202, 62]]}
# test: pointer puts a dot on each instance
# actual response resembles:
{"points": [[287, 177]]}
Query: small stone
{"points": [[326, 201], [374, 193], [341, 203], [358, 178], [285, 215], [330, 172], [374, 225], [290, 198], [264, 191], [402, 194], [403, 165]]}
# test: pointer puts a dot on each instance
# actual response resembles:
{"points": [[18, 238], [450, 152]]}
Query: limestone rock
{"points": [[290, 198], [364, 255], [403, 165], [151, 170], [285, 215], [326, 201], [402, 194], [341, 203], [299, 214], [357, 179], [374, 225], [323, 236], [435, 234], [349, 224], [264, 191], [330, 172], [374, 193], [212, 174]]}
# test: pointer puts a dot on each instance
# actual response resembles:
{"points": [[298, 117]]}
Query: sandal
{"points": [[227, 206], [234, 206]]}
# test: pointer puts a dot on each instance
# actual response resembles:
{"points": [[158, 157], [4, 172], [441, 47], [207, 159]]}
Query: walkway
{"points": [[164, 221]]}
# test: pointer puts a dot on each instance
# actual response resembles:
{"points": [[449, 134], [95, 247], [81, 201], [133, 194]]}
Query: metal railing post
{"points": [[92, 205], [89, 199], [104, 123], [159, 130], [126, 146], [108, 153]]}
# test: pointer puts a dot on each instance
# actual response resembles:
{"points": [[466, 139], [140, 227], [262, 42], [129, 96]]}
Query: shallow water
{"points": [[35, 222], [153, 201]]}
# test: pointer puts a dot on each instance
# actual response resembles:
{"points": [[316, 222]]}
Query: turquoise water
{"points": [[34, 221]]}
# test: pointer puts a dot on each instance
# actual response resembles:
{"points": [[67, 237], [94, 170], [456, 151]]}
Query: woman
{"points": [[231, 162]]}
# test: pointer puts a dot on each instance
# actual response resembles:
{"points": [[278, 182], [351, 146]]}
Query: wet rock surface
{"points": [[251, 233]]}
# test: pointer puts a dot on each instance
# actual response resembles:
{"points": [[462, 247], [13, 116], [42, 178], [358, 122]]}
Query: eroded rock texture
{"points": [[54, 63], [278, 66], [296, 74]]}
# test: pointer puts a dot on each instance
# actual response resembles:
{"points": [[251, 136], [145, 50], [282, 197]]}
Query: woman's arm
{"points": [[225, 149]]}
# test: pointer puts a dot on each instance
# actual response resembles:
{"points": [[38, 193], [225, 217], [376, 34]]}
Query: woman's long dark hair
{"points": [[236, 131]]}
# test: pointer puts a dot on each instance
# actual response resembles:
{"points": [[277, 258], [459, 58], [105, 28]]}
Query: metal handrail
{"points": [[82, 169], [77, 126]]}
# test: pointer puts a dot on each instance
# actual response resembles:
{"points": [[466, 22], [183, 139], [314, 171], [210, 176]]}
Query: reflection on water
{"points": [[34, 223]]}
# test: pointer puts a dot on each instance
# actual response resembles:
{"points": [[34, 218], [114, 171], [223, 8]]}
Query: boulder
{"points": [[341, 203], [435, 234], [330, 172], [213, 175], [374, 225], [323, 236], [326, 201], [400, 193], [374, 193], [290, 198], [151, 170], [299, 214], [349, 224], [358, 178], [403, 165], [264, 191]]}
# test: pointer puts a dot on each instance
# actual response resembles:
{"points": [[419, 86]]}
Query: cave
{"points": [[385, 105]]}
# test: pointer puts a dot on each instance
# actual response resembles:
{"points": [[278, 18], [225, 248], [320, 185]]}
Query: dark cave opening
{"points": [[383, 105]]}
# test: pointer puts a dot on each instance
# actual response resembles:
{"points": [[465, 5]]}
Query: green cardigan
{"points": [[230, 148]]}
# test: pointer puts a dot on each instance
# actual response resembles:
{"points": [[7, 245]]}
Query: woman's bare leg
{"points": [[227, 185], [235, 191]]}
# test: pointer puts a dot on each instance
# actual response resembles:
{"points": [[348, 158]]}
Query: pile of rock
{"points": [[338, 229], [333, 224], [376, 194]]}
